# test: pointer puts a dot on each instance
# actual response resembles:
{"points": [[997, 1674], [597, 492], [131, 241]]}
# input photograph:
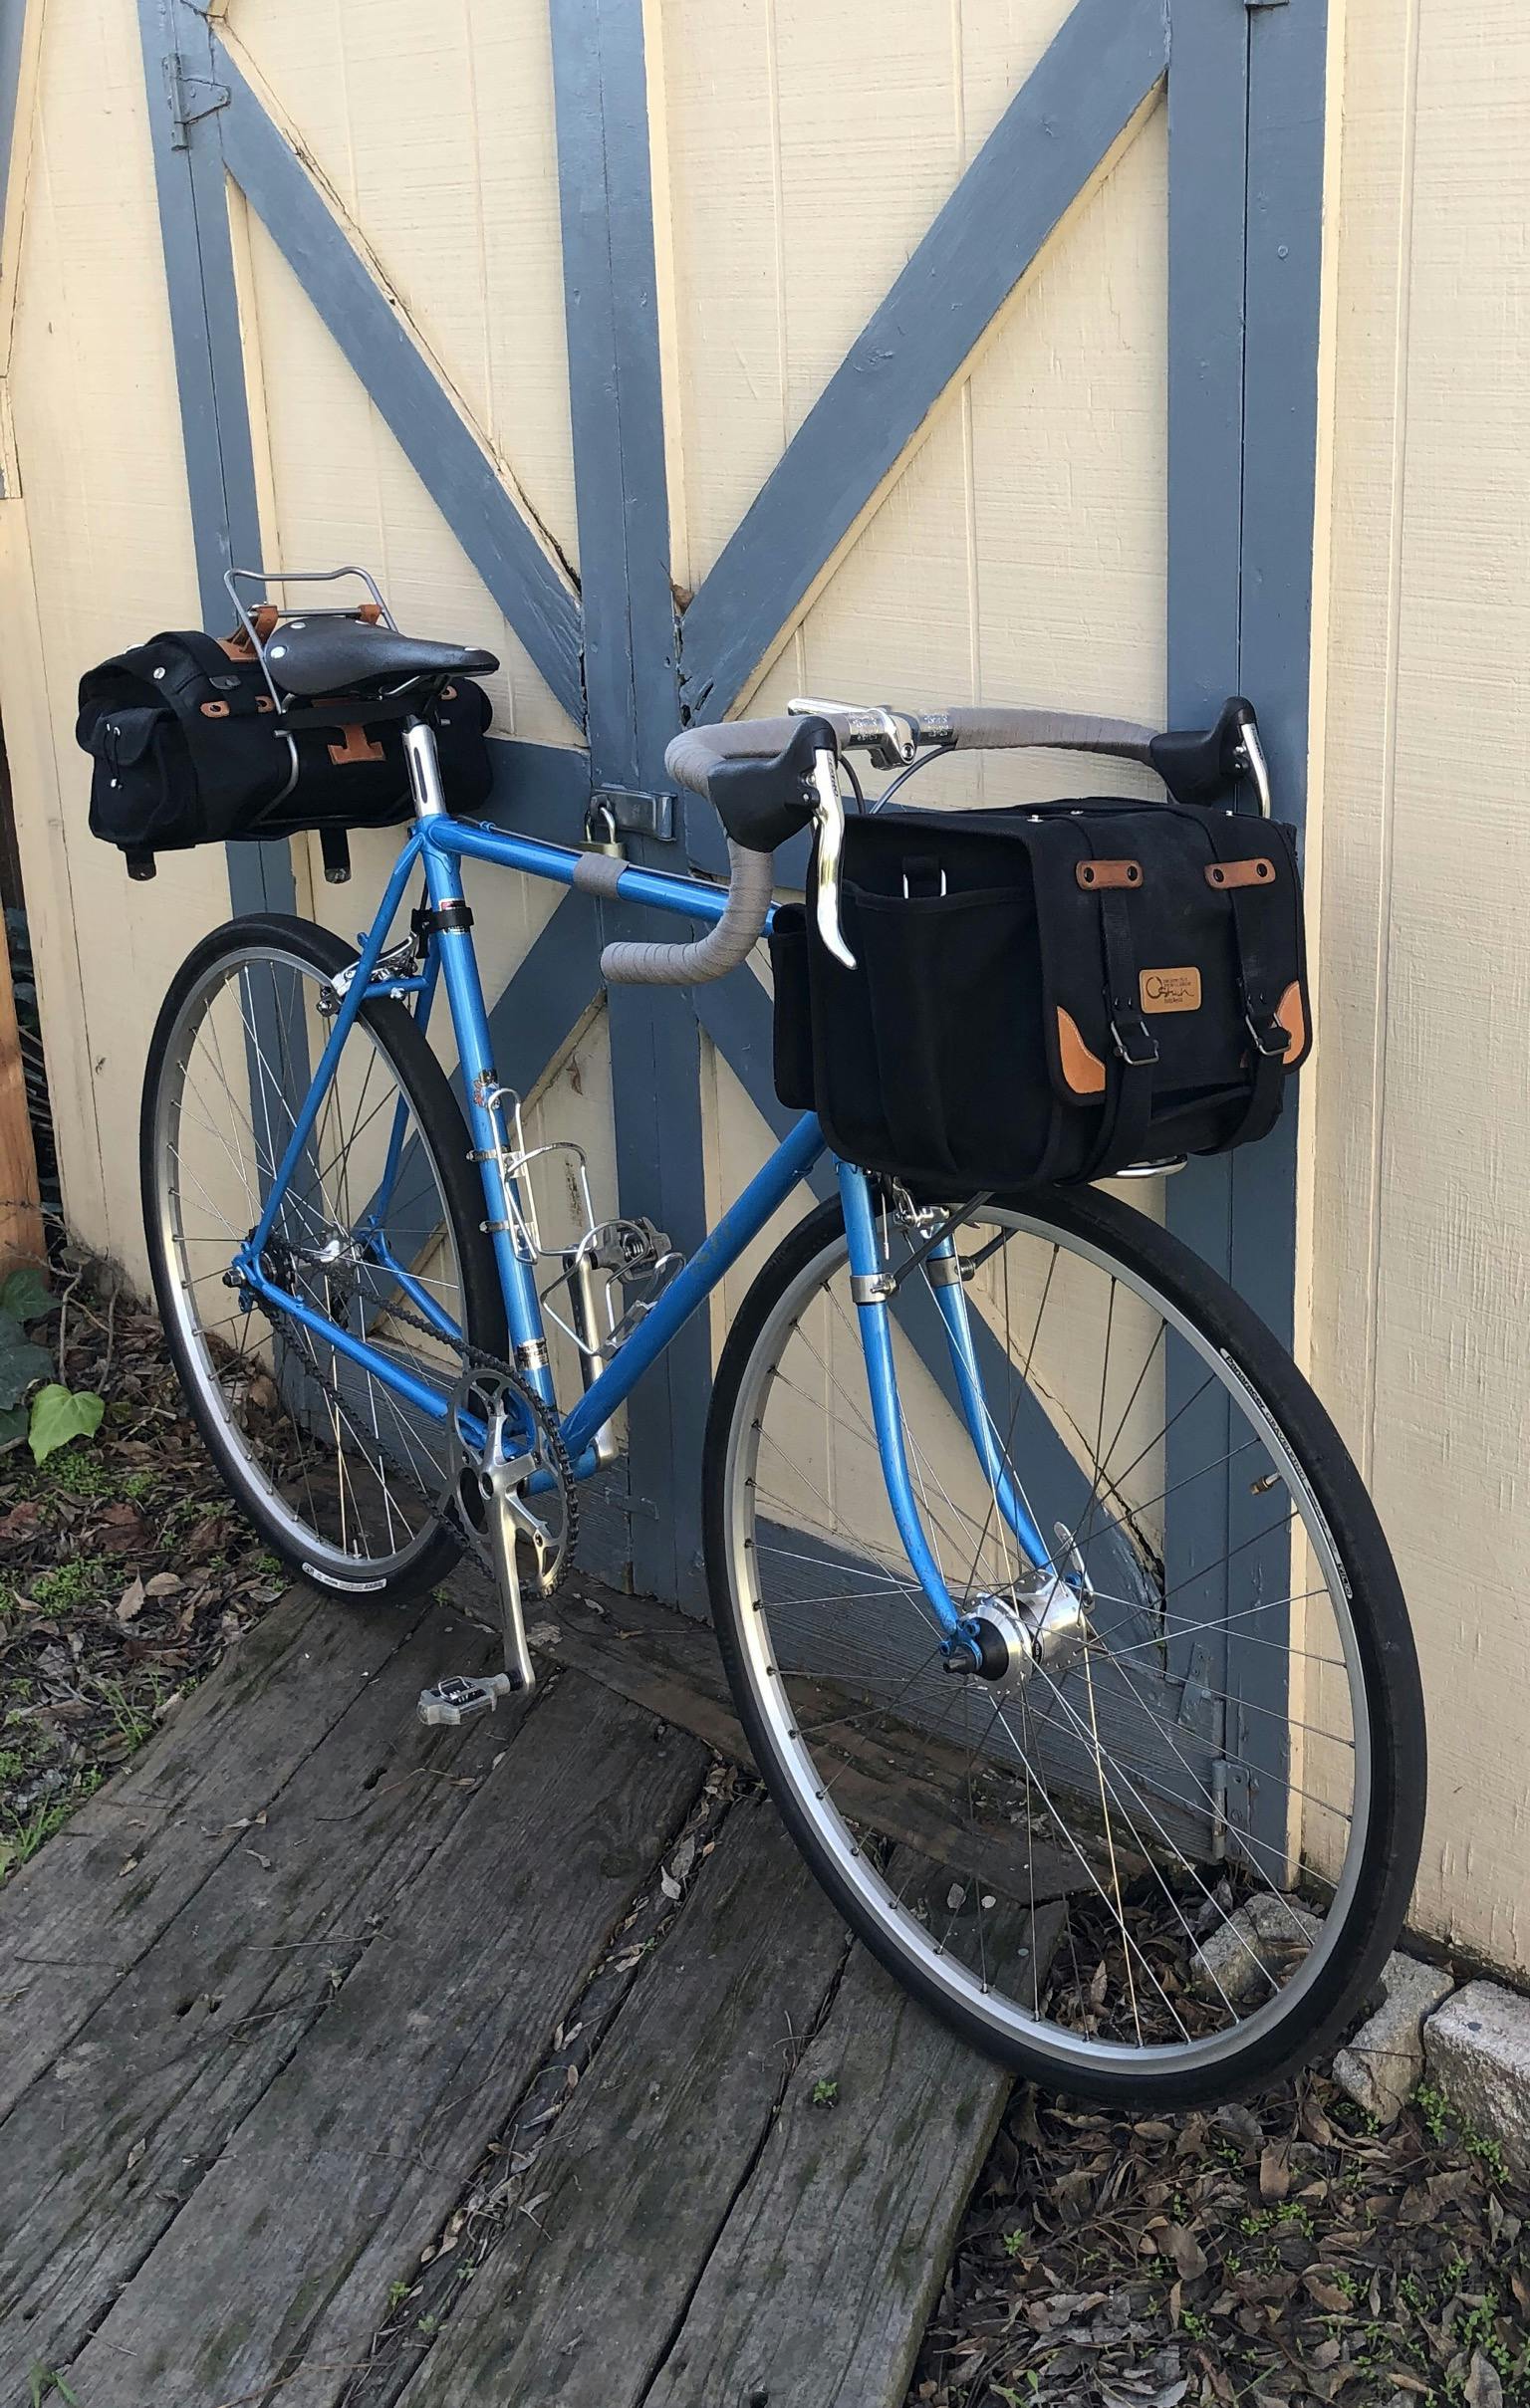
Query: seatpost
{"points": [[424, 765]]}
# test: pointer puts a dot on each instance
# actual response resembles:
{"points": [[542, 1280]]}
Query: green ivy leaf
{"points": [[23, 1295], [21, 1361], [60, 1414]]}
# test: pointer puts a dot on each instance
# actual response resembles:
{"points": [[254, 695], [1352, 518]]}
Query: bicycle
{"points": [[1140, 1821]]}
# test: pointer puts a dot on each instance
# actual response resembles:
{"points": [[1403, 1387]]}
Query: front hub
{"points": [[1043, 1627]]}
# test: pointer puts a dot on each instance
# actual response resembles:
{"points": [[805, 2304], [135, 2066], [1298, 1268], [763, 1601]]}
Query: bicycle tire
{"points": [[444, 1132], [1393, 1700]]}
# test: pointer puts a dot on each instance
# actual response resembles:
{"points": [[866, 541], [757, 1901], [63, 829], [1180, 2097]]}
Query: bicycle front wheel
{"points": [[1162, 1857], [379, 1232]]}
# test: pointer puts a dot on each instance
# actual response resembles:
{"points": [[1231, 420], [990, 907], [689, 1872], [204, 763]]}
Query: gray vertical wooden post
{"points": [[209, 353], [632, 701], [1246, 134]]}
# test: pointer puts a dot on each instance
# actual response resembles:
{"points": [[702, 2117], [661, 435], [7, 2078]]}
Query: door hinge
{"points": [[635, 815], [191, 97]]}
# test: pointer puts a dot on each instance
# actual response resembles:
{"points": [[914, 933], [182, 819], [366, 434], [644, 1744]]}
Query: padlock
{"points": [[601, 832]]}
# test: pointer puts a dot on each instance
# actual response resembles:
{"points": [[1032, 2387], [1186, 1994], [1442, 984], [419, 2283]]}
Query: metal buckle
{"points": [[1272, 1027], [1136, 1062]]}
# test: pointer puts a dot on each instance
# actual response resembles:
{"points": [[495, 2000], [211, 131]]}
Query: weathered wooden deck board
{"points": [[820, 2286], [663, 1659], [247, 2090], [73, 1923], [348, 2162], [574, 2308], [101, 2154]]}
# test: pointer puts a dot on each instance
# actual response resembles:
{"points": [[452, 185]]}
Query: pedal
{"points": [[460, 1696]]}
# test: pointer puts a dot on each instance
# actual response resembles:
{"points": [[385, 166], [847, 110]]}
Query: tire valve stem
{"points": [[1260, 1487]]}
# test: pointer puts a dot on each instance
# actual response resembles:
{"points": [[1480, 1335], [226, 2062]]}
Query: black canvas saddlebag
{"points": [[190, 748], [1046, 994]]}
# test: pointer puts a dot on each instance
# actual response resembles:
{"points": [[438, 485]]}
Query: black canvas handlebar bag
{"points": [[1046, 994], [190, 748]]}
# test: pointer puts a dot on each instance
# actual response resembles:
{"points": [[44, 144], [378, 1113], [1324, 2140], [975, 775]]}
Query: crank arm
{"points": [[509, 1518]]}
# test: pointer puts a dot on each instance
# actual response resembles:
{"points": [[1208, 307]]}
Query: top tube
{"points": [[689, 898]]}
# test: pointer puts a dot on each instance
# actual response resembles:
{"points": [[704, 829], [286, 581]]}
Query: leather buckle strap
{"points": [[1270, 1035], [1147, 1044]]}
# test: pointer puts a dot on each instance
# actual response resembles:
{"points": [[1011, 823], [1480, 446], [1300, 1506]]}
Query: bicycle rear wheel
{"points": [[1165, 1858], [343, 1478]]}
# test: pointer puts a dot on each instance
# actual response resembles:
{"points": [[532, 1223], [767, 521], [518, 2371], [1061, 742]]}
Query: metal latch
{"points": [[635, 815], [191, 97]]}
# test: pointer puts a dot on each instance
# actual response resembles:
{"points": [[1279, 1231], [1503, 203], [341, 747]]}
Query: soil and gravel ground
{"points": [[1277, 2253], [1282, 2253], [123, 1571]]}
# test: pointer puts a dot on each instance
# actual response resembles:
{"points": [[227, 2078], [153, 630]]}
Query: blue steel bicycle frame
{"points": [[436, 845]]}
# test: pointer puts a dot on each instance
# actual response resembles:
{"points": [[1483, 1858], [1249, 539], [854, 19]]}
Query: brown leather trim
{"points": [[1258, 872], [238, 645], [1169, 990], [1293, 1019], [1094, 875], [357, 745], [1083, 1071], [213, 710], [367, 610]]}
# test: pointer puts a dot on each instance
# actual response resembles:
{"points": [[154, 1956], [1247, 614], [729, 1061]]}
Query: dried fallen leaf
{"points": [[1275, 2170], [1321, 2286], [1484, 2384], [1184, 2248]]}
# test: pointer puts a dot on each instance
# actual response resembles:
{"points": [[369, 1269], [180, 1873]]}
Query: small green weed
{"points": [[825, 2092], [71, 1586], [1433, 2107], [132, 1720], [79, 1474], [1488, 2154], [43, 2382]]}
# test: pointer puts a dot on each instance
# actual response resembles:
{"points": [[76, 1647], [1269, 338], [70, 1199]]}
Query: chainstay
{"points": [[447, 1509]]}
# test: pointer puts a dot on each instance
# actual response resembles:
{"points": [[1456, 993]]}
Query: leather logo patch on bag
{"points": [[1169, 990]]}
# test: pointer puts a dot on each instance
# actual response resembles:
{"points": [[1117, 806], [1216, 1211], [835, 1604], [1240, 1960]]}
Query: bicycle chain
{"points": [[447, 1507]]}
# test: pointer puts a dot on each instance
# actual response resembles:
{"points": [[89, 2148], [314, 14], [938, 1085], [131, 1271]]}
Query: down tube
{"points": [[740, 1224]]}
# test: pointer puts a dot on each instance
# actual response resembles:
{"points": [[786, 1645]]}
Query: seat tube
{"points": [[453, 942], [866, 1273]]}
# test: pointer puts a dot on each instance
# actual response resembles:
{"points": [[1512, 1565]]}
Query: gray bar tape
{"points": [[996, 727], [711, 956], [597, 873]]}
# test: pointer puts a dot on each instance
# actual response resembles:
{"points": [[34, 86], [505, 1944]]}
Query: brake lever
{"points": [[829, 814]]}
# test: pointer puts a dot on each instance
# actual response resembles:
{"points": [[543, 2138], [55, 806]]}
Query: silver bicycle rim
{"points": [[211, 1172], [846, 1840]]}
